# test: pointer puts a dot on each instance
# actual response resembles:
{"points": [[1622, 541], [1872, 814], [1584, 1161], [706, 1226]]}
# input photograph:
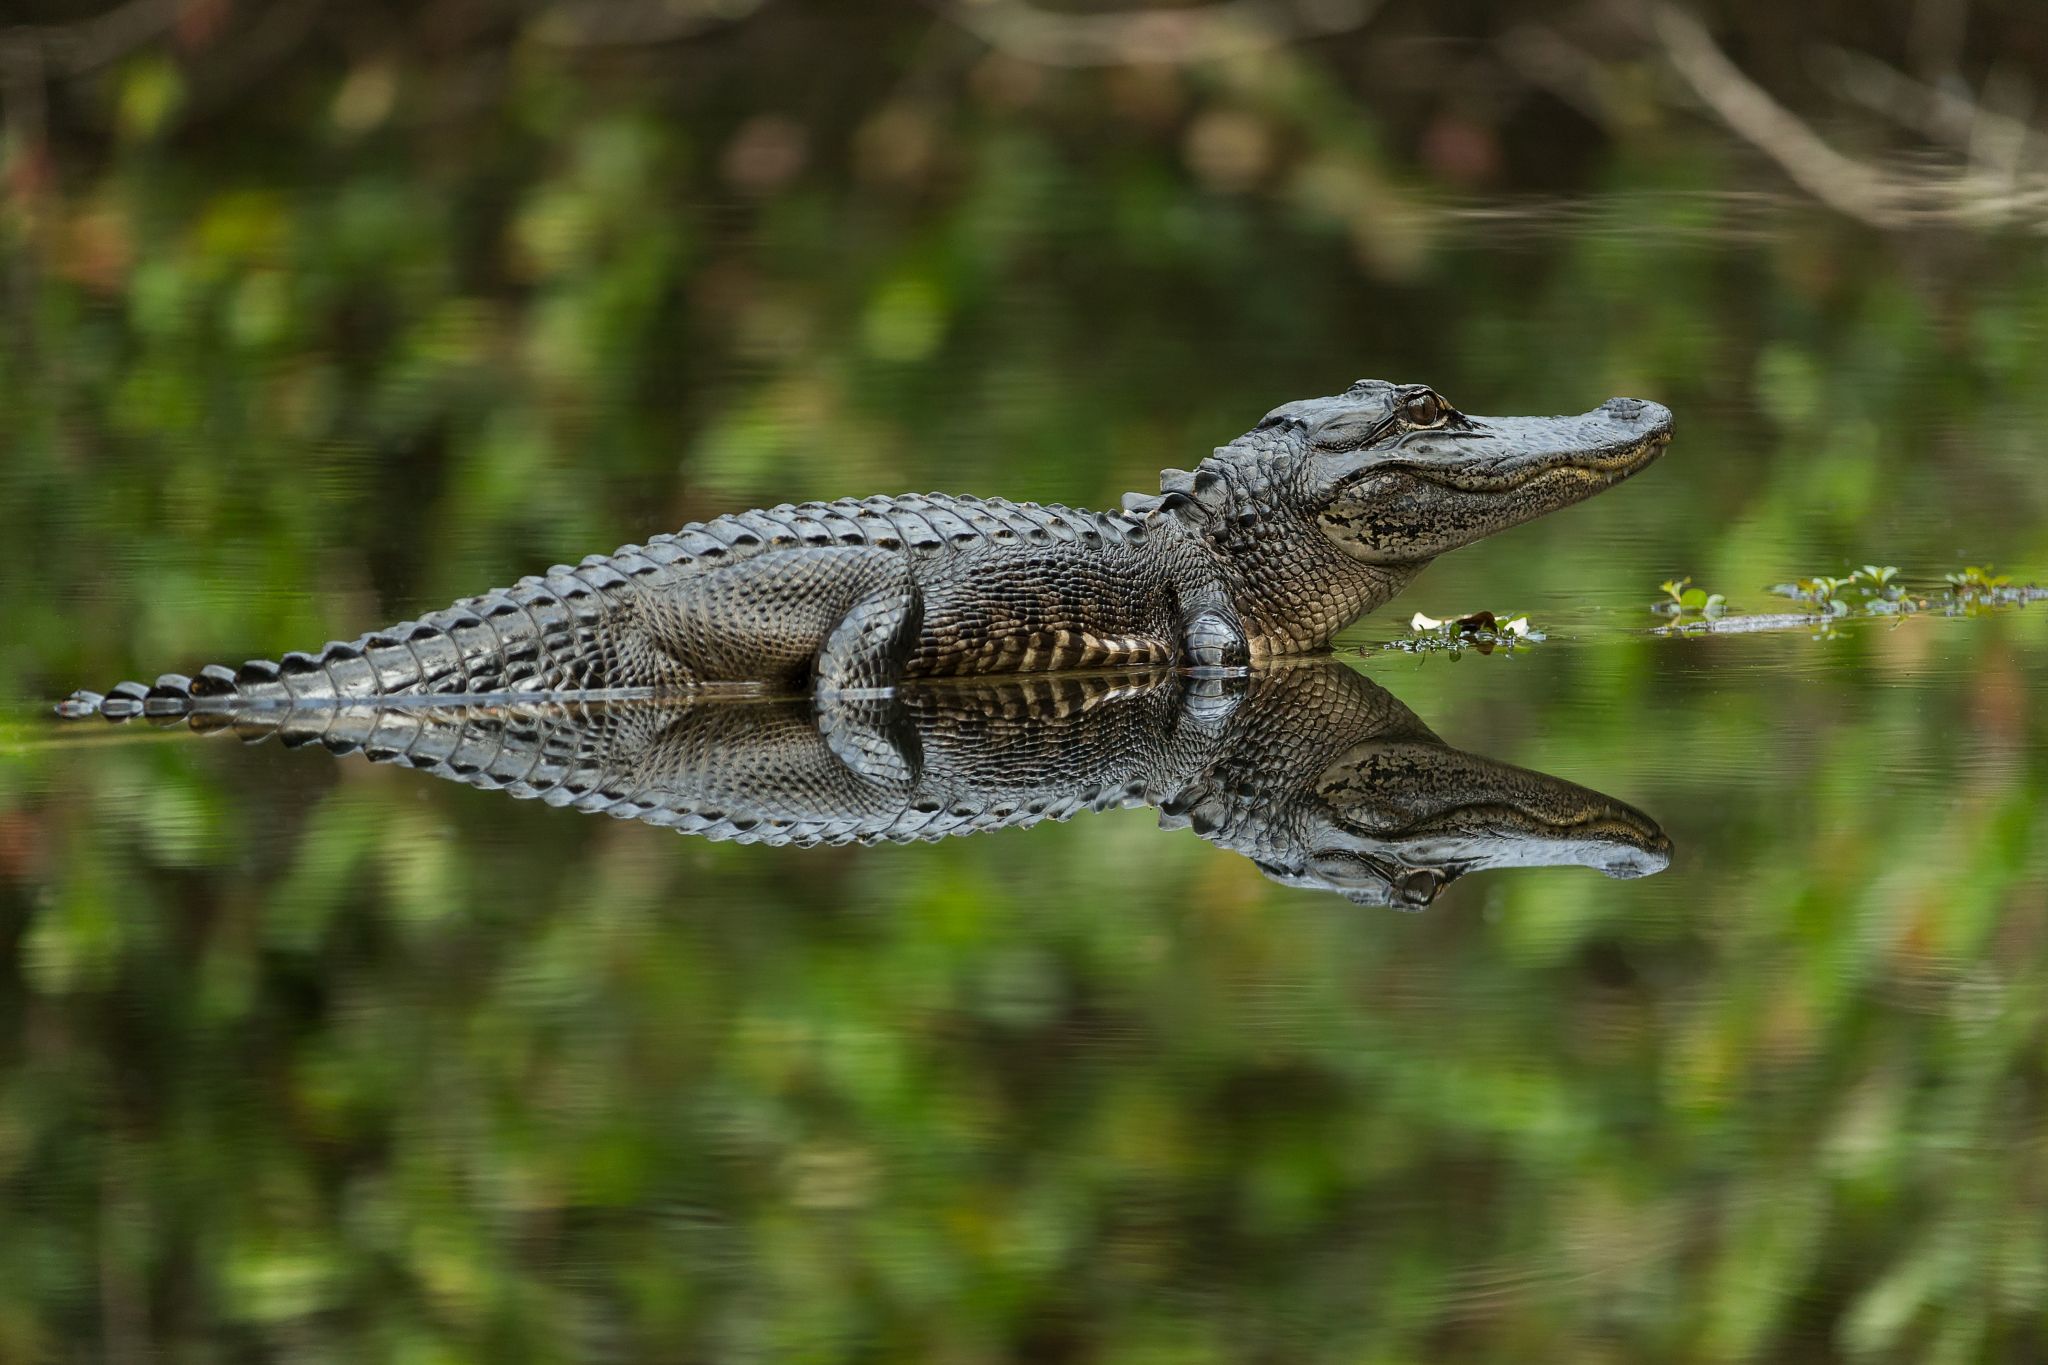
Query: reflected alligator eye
{"points": [[1422, 409], [1418, 887]]}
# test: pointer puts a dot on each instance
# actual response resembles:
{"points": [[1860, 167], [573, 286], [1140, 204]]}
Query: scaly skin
{"points": [[1312, 771], [1270, 547]]}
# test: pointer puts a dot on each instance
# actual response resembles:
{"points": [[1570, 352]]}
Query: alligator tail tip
{"points": [[171, 697], [80, 704]]}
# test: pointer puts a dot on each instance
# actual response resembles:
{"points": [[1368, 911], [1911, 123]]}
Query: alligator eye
{"points": [[1422, 409]]}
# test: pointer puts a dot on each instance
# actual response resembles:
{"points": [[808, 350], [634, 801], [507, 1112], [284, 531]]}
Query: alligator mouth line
{"points": [[1615, 828], [1601, 469]]}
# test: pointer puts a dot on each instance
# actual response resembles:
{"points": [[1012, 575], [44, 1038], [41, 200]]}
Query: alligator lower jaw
{"points": [[1636, 847]]}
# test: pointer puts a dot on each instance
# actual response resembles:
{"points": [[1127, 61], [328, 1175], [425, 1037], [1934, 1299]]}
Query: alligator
{"points": [[1308, 768], [1269, 547]]}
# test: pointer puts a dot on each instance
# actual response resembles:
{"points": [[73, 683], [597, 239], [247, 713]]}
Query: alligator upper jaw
{"points": [[1576, 455]]}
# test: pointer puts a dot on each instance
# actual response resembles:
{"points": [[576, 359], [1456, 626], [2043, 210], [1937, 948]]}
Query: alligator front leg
{"points": [[1213, 637]]}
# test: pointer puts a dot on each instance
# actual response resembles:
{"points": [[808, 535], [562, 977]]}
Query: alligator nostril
{"points": [[1629, 863], [1626, 408]]}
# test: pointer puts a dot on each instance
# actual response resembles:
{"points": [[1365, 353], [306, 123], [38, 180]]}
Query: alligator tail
{"points": [[540, 635]]}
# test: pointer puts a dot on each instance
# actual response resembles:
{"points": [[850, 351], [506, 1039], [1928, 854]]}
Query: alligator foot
{"points": [[1213, 639]]}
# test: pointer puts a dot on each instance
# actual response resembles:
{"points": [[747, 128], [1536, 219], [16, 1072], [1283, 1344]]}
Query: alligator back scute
{"points": [[922, 523]]}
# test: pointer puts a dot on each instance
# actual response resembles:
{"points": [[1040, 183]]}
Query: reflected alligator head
{"points": [[1394, 821], [1370, 804], [1311, 770]]}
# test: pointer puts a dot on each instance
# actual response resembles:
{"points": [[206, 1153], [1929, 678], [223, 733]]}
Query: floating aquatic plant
{"points": [[1683, 599], [1870, 591], [1485, 631], [1873, 590]]}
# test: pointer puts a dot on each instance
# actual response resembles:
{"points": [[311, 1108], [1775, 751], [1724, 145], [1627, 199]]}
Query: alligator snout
{"points": [[1626, 862], [1639, 413]]}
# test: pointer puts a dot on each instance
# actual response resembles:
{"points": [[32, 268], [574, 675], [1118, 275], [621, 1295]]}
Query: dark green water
{"points": [[308, 1058]]}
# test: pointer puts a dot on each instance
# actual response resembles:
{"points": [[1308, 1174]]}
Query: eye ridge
{"points": [[1358, 439]]}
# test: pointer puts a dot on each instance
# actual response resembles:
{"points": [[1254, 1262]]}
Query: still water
{"points": [[309, 1056]]}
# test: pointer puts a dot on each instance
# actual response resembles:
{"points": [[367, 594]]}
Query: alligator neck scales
{"points": [[1269, 547]]}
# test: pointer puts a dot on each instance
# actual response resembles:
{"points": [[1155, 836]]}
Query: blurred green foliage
{"points": [[304, 1060]]}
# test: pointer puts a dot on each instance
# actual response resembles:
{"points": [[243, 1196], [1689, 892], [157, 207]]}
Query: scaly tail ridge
{"points": [[541, 634]]}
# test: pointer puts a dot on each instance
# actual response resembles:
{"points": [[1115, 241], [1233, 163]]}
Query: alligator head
{"points": [[1399, 476], [1394, 822], [1329, 506]]}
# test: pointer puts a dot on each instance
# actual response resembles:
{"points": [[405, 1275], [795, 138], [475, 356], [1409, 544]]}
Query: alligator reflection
{"points": [[1318, 775]]}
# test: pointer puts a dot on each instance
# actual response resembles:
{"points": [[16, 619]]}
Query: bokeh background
{"points": [[321, 313]]}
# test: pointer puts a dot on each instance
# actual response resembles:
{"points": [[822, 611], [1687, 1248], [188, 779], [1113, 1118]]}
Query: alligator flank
{"points": [[1269, 547]]}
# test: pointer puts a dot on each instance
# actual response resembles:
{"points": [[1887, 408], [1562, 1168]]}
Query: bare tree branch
{"points": [[1934, 112], [2000, 185], [1837, 181]]}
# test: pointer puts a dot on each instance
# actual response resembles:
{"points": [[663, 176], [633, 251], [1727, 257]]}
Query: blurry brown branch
{"points": [[23, 114], [1551, 62], [265, 45], [1941, 114], [1875, 195], [637, 23], [77, 50], [87, 45], [32, 54], [1836, 180], [1172, 37]]}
